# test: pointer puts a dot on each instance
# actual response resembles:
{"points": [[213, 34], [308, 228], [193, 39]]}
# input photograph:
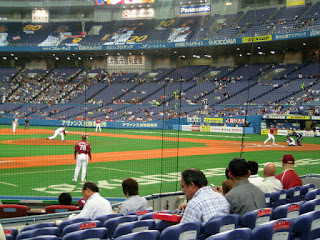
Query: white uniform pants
{"points": [[56, 134], [270, 136], [98, 125], [82, 161], [14, 127]]}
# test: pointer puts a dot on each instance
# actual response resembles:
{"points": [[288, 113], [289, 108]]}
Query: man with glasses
{"points": [[204, 203]]}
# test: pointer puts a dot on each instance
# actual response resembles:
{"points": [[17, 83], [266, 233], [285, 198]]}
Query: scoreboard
{"points": [[114, 2]]}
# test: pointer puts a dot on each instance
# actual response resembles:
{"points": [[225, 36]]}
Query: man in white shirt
{"points": [[254, 177], [95, 204], [270, 184]]}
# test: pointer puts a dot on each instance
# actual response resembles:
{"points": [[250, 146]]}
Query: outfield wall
{"points": [[206, 124]]}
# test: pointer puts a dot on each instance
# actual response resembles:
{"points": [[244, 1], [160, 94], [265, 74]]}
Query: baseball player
{"points": [[299, 137], [290, 141], [98, 124], [84, 150], [60, 131], [15, 124], [270, 135], [27, 123]]}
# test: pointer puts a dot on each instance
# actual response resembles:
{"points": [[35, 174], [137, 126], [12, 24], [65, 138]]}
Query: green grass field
{"points": [[155, 175]]}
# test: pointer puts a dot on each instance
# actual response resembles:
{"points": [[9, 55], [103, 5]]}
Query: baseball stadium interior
{"points": [[156, 87]]}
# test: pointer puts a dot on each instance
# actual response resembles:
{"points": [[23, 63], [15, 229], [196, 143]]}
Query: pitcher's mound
{"points": [[40, 141]]}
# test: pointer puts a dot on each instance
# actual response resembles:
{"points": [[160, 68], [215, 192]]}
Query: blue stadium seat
{"points": [[44, 237], [307, 226], [80, 226], [112, 224], [309, 206], [104, 218], [161, 225], [11, 231], [273, 230], [180, 231], [239, 234], [307, 188], [65, 223], [140, 212], [294, 195], [255, 218], [278, 198], [313, 194], [9, 237], [146, 235], [290, 210], [221, 224], [92, 233], [131, 227], [37, 226], [38, 232]]}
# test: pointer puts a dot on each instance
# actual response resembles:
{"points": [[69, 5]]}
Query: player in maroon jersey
{"points": [[98, 124], [83, 149], [270, 135]]}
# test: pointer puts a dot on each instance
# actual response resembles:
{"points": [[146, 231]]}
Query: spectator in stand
{"points": [[270, 183], [254, 178], [289, 178], [244, 196], [204, 203], [228, 184], [133, 202], [65, 199], [95, 204]]}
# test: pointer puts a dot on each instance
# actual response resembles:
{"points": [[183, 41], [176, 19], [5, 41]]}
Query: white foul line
{"points": [[9, 184]]}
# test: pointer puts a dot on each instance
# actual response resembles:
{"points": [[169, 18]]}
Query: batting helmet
{"points": [[84, 136]]}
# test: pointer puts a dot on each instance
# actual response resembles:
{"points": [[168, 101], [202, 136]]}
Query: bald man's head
{"points": [[269, 169]]}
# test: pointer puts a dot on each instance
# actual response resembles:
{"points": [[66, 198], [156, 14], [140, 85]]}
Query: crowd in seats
{"points": [[243, 24], [202, 91]]}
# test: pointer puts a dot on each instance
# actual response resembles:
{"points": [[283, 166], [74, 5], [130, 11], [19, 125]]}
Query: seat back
{"points": [[312, 205], [92, 233], [278, 198], [140, 212], [294, 195], [12, 210], [161, 225], [307, 188], [146, 235], [221, 224], [239, 234], [65, 223], [11, 231], [255, 218], [104, 218], [132, 227], [38, 232], [60, 208], [111, 224], [80, 226], [290, 210], [37, 226], [277, 229], [313, 194], [307, 226], [44, 237], [9, 237], [181, 231]]}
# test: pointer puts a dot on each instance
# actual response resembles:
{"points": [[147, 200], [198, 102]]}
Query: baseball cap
{"points": [[287, 158], [84, 136]]}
